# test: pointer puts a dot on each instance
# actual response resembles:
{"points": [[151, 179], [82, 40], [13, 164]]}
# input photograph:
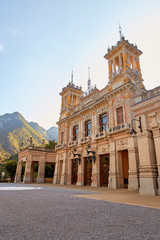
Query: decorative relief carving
{"points": [[158, 117], [152, 120], [118, 101], [102, 109], [87, 116], [104, 149], [122, 144], [61, 156], [75, 122]]}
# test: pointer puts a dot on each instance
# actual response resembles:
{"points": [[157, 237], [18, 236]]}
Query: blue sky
{"points": [[42, 41]]}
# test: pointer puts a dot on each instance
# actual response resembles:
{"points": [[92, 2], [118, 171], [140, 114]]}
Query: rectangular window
{"points": [[88, 128], [75, 133], [103, 122], [62, 137], [119, 112]]}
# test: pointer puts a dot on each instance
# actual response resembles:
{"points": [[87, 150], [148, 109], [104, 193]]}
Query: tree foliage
{"points": [[10, 168], [51, 144], [49, 171]]}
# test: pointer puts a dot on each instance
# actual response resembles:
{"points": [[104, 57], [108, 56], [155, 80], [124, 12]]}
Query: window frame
{"points": [[117, 118], [88, 132], [62, 137], [101, 122], [75, 135]]}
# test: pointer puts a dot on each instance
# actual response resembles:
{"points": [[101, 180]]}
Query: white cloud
{"points": [[14, 33], [1, 47]]}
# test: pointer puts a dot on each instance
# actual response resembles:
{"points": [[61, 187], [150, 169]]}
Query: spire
{"points": [[72, 78], [89, 80], [120, 31]]}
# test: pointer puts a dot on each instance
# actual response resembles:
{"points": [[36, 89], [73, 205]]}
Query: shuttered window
{"points": [[119, 115]]}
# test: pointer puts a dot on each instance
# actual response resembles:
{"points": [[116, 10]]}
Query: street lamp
{"points": [[133, 131], [76, 154], [92, 152]]}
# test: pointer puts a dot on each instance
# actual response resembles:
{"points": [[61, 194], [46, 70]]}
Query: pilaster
{"points": [[18, 172], [41, 170], [28, 176], [147, 161], [95, 173], [156, 136], [113, 167], [133, 178]]}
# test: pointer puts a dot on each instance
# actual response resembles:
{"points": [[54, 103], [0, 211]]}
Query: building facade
{"points": [[95, 145]]}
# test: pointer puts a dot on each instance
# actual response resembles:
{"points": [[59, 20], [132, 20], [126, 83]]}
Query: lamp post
{"points": [[92, 152], [76, 154], [133, 131]]}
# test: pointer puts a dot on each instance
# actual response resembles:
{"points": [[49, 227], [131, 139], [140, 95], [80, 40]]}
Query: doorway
{"points": [[124, 168], [74, 171], [104, 170], [87, 171]]}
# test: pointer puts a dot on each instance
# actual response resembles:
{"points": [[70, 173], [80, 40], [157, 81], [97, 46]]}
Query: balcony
{"points": [[73, 143], [85, 140], [60, 146], [119, 128], [100, 135]]}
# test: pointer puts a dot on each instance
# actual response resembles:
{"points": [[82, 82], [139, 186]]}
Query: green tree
{"points": [[51, 144], [10, 168], [49, 171]]}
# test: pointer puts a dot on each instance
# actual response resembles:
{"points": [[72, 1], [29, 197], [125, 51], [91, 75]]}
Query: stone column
{"points": [[147, 160], [80, 174], [70, 133], [41, 170], [56, 175], [18, 172], [63, 180], [114, 65], [129, 60], [125, 61], [133, 178], [113, 167], [120, 62], [156, 136], [110, 70], [69, 170], [95, 172], [28, 176]]}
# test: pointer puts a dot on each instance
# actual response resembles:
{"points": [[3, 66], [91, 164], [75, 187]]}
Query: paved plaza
{"points": [[43, 212]]}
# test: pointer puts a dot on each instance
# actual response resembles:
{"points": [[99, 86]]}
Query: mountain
{"points": [[52, 132], [14, 130], [39, 129]]}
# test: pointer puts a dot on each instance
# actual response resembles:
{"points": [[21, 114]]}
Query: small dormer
{"points": [[70, 97]]}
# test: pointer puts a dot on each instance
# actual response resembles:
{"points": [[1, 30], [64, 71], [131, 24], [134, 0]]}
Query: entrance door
{"points": [[87, 172], [74, 171], [104, 170], [125, 167]]}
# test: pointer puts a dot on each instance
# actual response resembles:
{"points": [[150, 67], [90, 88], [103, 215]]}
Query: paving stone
{"points": [[55, 214]]}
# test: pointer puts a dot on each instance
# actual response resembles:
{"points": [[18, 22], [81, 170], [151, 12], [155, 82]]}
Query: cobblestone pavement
{"points": [[54, 213]]}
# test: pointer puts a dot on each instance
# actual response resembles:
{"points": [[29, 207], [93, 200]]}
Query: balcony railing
{"points": [[119, 128], [60, 146], [73, 143], [100, 135]]}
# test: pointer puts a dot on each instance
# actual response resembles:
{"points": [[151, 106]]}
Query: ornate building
{"points": [[111, 137], [95, 146]]}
